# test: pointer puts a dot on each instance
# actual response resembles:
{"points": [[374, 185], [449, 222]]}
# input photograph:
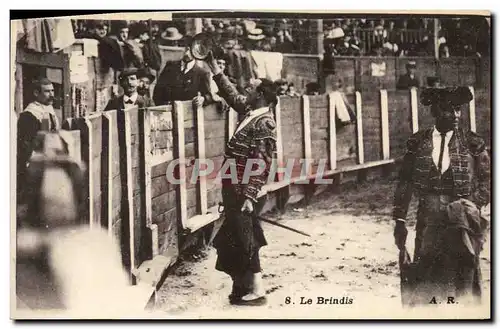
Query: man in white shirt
{"points": [[129, 82], [447, 167], [38, 116]]}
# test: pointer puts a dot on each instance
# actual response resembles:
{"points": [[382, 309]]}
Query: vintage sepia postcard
{"points": [[251, 165]]}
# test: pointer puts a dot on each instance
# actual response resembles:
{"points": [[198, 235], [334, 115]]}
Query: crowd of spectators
{"points": [[406, 37], [342, 37]]}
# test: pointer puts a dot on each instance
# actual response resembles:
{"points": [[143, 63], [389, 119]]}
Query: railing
{"points": [[400, 37]]}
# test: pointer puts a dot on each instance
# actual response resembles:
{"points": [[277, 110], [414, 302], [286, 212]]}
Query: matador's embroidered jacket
{"points": [[255, 140], [469, 165]]}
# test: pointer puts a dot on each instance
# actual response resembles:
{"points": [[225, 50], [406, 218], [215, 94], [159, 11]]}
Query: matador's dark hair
{"points": [[268, 89]]}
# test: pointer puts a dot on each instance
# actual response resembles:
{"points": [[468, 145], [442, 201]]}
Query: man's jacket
{"points": [[469, 163]]}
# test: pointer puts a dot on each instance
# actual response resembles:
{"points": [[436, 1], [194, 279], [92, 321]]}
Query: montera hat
{"points": [[454, 96]]}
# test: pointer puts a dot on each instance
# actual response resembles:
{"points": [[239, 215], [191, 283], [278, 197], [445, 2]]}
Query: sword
{"points": [[270, 222], [282, 225]]}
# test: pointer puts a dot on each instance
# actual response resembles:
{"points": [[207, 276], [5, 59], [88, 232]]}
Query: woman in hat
{"points": [[449, 169]]}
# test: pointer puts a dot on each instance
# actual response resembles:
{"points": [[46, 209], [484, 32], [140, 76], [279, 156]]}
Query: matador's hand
{"points": [[247, 206]]}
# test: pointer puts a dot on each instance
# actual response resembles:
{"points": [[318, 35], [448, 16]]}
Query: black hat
{"points": [[121, 24], [313, 86], [138, 29], [146, 72], [128, 72], [454, 96], [281, 82], [432, 81]]}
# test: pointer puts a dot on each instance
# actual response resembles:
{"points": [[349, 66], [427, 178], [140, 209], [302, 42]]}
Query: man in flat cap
{"points": [[129, 81], [409, 79], [449, 169]]}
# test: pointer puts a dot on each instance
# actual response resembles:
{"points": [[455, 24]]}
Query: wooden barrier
{"points": [[132, 155]]}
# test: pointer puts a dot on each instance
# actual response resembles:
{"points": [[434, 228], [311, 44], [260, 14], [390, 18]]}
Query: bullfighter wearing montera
{"points": [[449, 168], [241, 236]]}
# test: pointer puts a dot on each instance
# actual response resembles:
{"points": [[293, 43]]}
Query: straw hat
{"points": [[255, 34], [171, 33]]}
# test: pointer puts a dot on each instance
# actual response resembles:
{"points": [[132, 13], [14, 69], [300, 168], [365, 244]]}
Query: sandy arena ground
{"points": [[350, 253]]}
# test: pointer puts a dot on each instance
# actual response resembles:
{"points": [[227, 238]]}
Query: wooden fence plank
{"points": [[384, 115], [279, 139], [87, 125], [472, 111], [127, 129], [306, 125], [202, 179], [180, 155], [146, 182], [414, 109], [108, 173], [359, 128], [332, 132]]}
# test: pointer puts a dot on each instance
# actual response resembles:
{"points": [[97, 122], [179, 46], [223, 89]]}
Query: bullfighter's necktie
{"points": [[441, 152]]}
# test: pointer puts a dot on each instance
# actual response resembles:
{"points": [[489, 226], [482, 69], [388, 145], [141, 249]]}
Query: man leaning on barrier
{"points": [[241, 236], [449, 168]]}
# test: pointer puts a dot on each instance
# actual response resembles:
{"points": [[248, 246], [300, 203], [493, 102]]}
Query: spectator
{"points": [[444, 51], [433, 82], [111, 48], [98, 29], [183, 80], [292, 92], [155, 32], [146, 77], [122, 31], [281, 87], [409, 79], [284, 39], [312, 88], [221, 60], [129, 82], [149, 49], [254, 39]]}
